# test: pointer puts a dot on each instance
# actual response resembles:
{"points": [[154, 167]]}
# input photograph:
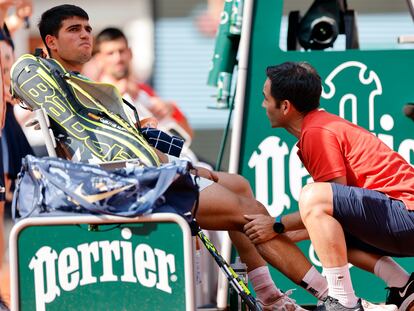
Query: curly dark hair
{"points": [[51, 20], [297, 82]]}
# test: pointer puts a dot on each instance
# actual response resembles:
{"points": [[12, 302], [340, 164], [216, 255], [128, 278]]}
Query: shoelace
{"points": [[288, 293], [285, 295]]}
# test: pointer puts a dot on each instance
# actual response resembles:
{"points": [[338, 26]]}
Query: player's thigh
{"points": [[235, 183]]}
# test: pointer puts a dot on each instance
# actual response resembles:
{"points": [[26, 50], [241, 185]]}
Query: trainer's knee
{"points": [[314, 200]]}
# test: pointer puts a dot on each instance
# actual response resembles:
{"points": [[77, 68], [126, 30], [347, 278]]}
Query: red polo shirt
{"points": [[330, 147]]}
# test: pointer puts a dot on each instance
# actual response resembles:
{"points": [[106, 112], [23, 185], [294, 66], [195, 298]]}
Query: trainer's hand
{"points": [[260, 228], [203, 172]]}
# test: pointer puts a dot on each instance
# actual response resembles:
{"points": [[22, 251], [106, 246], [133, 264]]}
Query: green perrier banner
{"points": [[369, 88], [112, 265]]}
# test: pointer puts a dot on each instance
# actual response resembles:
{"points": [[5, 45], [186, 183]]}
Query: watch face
{"points": [[278, 227]]}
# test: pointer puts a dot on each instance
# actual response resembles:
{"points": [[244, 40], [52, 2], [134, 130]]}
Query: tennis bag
{"points": [[88, 119], [56, 187]]}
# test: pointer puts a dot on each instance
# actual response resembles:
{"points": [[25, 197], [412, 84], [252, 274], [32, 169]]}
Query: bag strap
{"points": [[135, 111], [37, 191]]}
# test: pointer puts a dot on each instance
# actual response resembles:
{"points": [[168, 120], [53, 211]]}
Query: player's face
{"points": [[73, 44]]}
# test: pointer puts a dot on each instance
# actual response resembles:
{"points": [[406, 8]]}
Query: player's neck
{"points": [[68, 65]]}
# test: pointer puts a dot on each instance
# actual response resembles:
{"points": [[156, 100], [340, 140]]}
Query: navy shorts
{"points": [[374, 222]]}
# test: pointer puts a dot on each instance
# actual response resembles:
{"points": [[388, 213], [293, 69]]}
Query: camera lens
{"points": [[324, 30]]}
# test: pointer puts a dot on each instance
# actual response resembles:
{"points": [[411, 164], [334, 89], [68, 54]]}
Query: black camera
{"points": [[321, 25]]}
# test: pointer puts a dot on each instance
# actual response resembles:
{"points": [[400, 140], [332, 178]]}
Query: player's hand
{"points": [[259, 229], [203, 172], [149, 122]]}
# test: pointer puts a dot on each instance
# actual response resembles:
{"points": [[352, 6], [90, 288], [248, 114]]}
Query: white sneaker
{"points": [[374, 307], [332, 304], [283, 303]]}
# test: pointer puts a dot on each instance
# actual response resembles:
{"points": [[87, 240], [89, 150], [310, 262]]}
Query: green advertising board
{"points": [[102, 263], [366, 87]]}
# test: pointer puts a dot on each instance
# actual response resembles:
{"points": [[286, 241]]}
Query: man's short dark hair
{"points": [[109, 34], [51, 20], [297, 82]]}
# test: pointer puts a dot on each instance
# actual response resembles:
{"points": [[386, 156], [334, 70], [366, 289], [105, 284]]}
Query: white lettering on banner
{"points": [[86, 251], [297, 172], [352, 100], [45, 258], [68, 266], [126, 247], [406, 149], [150, 267], [366, 77], [109, 249], [272, 150], [169, 261], [144, 269]]}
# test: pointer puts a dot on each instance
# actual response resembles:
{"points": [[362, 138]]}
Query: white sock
{"points": [[340, 285], [391, 272], [315, 283], [263, 284]]}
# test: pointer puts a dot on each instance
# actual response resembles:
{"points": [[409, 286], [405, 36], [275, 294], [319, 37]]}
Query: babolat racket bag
{"points": [[56, 187], [89, 120]]}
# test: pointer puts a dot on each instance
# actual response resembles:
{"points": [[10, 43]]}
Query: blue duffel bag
{"points": [[52, 187]]}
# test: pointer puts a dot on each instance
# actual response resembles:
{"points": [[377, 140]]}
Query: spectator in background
{"points": [[114, 57], [11, 153], [208, 21], [12, 132], [3, 11], [20, 17]]}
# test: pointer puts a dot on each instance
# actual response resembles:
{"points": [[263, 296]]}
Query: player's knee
{"points": [[237, 184], [251, 206], [243, 186]]}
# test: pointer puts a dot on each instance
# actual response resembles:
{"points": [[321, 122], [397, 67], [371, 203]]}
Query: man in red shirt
{"points": [[361, 204]]}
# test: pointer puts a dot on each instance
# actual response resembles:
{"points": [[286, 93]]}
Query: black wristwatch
{"points": [[278, 227]]}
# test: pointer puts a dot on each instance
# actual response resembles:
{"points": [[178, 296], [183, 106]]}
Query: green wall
{"points": [[369, 88]]}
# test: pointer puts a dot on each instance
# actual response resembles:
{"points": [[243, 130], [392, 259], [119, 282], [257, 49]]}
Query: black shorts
{"points": [[373, 221]]}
